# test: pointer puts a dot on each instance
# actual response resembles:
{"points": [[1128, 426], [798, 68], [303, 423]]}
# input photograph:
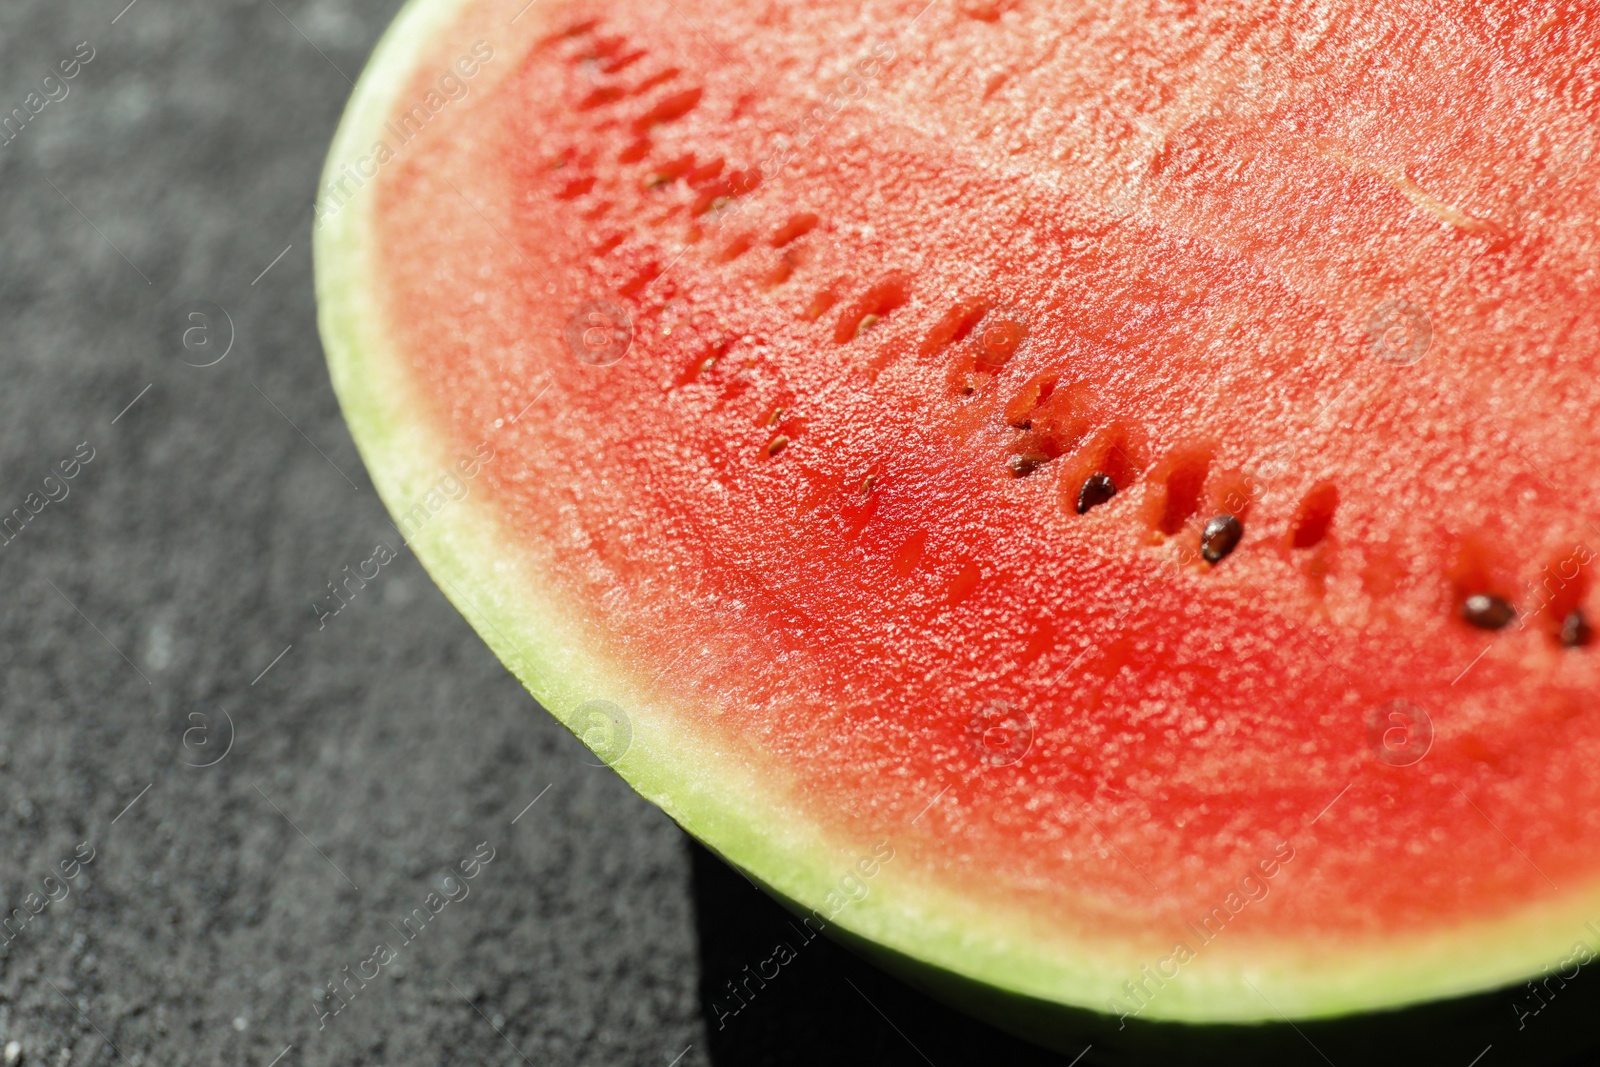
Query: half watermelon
{"points": [[1090, 504]]}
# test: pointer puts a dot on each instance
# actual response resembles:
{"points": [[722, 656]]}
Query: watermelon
{"points": [[1091, 505]]}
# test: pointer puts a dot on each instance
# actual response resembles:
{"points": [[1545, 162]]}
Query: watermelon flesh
{"points": [[1131, 463]]}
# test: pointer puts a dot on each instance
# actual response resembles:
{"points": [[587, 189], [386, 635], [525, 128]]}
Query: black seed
{"points": [[1575, 632], [1487, 612], [1025, 464], [1096, 491], [1220, 537]]}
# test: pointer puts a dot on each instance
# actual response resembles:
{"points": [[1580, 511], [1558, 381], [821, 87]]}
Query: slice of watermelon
{"points": [[1092, 504]]}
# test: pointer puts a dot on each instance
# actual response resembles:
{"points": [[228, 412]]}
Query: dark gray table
{"points": [[265, 801]]}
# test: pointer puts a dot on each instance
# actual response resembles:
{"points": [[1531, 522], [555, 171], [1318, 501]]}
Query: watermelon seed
{"points": [[777, 444], [867, 484], [1025, 464], [867, 322], [1575, 631], [1097, 489], [1220, 536], [1487, 612]]}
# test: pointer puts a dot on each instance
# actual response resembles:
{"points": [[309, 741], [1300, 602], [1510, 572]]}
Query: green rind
{"points": [[993, 964]]}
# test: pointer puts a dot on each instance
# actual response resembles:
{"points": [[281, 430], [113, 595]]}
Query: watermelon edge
{"points": [[730, 805]]}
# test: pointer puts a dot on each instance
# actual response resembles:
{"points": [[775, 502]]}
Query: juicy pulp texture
{"points": [[898, 281]]}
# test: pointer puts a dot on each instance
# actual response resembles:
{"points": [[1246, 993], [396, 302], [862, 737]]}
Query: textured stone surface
{"points": [[375, 753]]}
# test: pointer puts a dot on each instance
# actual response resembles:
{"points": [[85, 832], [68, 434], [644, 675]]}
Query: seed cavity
{"points": [[797, 226], [660, 77], [1180, 499], [736, 248], [705, 172], [1056, 426], [966, 580], [954, 326], [670, 109], [782, 271], [576, 187], [1025, 464], [606, 94], [621, 63], [1220, 537], [820, 304], [577, 29], [1109, 463], [875, 304], [1020, 408], [634, 152], [1487, 612], [1575, 631], [1097, 489], [1315, 515]]}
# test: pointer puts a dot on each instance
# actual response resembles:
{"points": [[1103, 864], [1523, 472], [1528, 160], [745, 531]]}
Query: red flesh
{"points": [[1191, 212]]}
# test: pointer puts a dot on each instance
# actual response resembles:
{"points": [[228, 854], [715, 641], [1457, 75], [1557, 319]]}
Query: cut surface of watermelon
{"points": [[1122, 474]]}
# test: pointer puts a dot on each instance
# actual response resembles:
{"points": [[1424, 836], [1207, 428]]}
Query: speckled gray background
{"points": [[168, 595], [181, 563]]}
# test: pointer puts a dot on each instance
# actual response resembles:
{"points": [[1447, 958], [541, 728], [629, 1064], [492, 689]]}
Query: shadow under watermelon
{"points": [[825, 1005], [771, 998]]}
